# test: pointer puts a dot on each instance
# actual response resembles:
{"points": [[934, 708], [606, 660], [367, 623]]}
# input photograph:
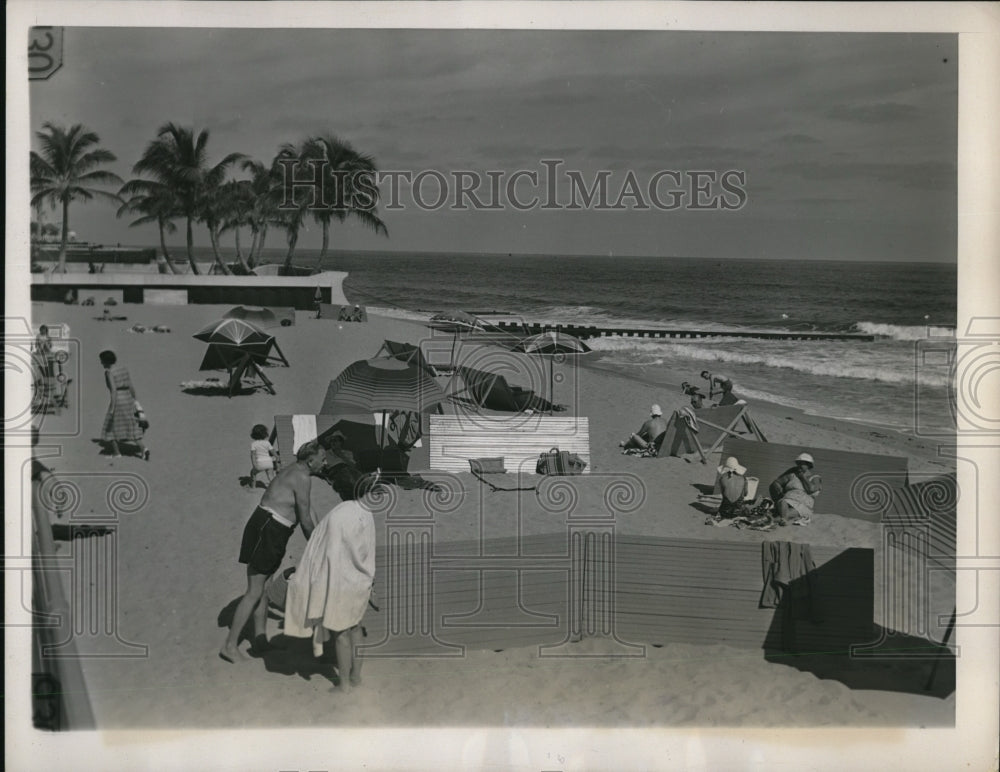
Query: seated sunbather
{"points": [[733, 482], [648, 432], [336, 452], [794, 491]]}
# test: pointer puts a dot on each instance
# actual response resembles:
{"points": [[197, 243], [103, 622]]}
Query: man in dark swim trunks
{"points": [[265, 537]]}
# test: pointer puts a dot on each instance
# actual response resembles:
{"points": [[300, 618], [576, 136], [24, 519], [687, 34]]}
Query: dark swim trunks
{"points": [[264, 542]]}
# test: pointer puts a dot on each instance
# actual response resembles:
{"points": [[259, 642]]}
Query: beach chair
{"points": [[455, 440], [853, 483], [692, 431]]}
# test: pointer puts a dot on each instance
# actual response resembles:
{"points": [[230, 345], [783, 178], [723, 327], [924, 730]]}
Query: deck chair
{"points": [[840, 470]]}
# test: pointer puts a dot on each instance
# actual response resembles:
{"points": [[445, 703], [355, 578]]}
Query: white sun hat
{"points": [[732, 465]]}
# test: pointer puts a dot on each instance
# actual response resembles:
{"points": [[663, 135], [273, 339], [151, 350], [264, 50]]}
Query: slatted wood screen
{"points": [[519, 439], [661, 590], [853, 483]]}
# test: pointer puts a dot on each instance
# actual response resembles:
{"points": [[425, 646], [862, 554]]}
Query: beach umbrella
{"points": [[261, 317], [380, 385], [550, 343], [232, 332], [239, 346], [456, 322]]}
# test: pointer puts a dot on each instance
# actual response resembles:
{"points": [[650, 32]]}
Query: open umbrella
{"points": [[261, 317], [239, 346], [233, 332], [457, 323], [550, 343], [380, 385]]}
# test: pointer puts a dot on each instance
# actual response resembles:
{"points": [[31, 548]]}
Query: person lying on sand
{"points": [[286, 503], [652, 428]]}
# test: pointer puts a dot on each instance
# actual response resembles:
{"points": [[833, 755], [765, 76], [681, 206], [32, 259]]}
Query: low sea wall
{"points": [[300, 292]]}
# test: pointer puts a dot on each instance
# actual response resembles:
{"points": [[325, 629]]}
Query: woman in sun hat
{"points": [[795, 491], [733, 484]]}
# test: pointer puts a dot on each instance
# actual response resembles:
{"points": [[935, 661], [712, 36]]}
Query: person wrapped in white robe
{"points": [[330, 588]]}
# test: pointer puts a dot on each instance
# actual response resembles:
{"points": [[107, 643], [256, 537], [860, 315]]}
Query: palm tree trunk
{"points": [[213, 236], [165, 261], [239, 251], [190, 246], [260, 244], [293, 238], [253, 248], [325, 246], [65, 237]]}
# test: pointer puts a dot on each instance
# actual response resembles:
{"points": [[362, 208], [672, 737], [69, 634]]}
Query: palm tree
{"points": [[66, 170], [293, 163], [178, 159], [265, 188], [155, 203], [238, 212], [349, 184]]}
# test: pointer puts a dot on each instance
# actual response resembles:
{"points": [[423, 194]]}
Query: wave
{"points": [[904, 332], [836, 362], [400, 313]]}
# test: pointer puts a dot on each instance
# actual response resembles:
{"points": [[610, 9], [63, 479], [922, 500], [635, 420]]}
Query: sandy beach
{"points": [[177, 573]]}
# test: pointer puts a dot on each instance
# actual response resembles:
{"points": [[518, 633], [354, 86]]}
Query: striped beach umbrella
{"points": [[373, 385], [550, 343], [382, 385]]}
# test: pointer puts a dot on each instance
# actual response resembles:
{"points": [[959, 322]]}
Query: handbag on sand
{"points": [[140, 416], [559, 462]]}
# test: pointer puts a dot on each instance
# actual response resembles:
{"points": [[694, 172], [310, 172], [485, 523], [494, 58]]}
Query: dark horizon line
{"points": [[180, 252]]}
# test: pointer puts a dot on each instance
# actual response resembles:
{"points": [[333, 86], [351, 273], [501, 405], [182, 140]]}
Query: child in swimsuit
{"points": [[262, 457]]}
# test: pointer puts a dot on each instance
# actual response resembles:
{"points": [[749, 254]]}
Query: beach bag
{"points": [[487, 465], [140, 416], [559, 462]]}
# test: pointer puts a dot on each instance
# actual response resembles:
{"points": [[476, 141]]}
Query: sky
{"points": [[845, 144]]}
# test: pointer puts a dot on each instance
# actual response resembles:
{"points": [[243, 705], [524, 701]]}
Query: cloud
{"points": [[878, 112], [917, 175], [798, 139]]}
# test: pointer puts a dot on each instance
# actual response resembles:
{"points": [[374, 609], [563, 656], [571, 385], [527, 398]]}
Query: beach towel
{"points": [[303, 431], [332, 583], [789, 574]]}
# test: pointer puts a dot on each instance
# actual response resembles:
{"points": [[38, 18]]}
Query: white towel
{"points": [[303, 430]]}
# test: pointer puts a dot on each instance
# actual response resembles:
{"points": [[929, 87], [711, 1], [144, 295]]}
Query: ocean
{"points": [[887, 382]]}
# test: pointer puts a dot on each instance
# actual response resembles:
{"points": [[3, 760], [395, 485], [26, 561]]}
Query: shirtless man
{"points": [[265, 537], [652, 428]]}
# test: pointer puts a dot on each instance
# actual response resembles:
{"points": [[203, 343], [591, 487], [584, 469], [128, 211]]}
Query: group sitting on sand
{"points": [[792, 496], [334, 582]]}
